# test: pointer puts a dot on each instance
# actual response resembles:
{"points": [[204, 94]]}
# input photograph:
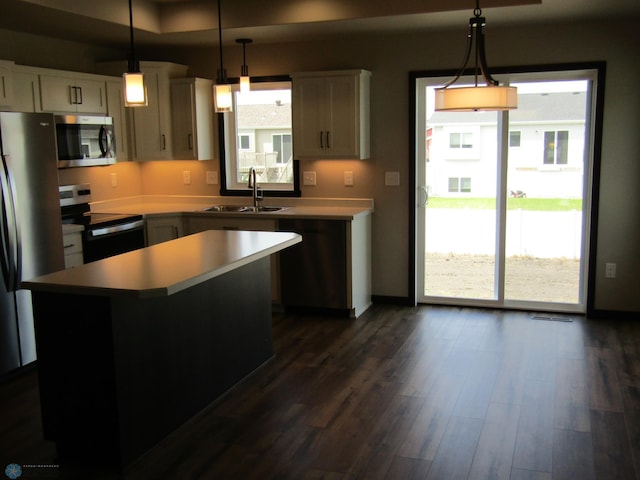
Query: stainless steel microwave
{"points": [[85, 140]]}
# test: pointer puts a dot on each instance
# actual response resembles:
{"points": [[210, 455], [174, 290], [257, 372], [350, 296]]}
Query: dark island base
{"points": [[117, 374]]}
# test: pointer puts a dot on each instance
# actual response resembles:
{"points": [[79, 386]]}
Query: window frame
{"points": [[227, 141]]}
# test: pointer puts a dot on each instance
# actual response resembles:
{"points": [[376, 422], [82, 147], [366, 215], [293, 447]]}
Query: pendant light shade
{"points": [[490, 96], [245, 81], [223, 97], [471, 99], [135, 91]]}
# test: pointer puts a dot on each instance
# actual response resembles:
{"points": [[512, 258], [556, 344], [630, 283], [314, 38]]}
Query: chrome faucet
{"points": [[257, 195]]}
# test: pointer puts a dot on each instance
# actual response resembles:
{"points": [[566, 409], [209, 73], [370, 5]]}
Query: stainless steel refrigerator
{"points": [[30, 226]]}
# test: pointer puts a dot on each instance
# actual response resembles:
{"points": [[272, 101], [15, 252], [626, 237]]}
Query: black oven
{"points": [[105, 234]]}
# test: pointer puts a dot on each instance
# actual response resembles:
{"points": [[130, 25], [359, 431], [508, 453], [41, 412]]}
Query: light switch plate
{"points": [[114, 179], [609, 270], [186, 177], [348, 179], [392, 179], [212, 177], [309, 178]]}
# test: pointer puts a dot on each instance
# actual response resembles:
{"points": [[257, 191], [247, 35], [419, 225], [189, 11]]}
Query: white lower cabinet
{"points": [[163, 228], [72, 242]]}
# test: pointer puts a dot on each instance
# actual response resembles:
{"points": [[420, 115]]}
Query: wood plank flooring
{"points": [[436, 393]]}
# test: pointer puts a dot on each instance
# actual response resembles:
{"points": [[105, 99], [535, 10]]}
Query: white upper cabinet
{"points": [[72, 94], [192, 118], [26, 90], [6, 85], [331, 114], [116, 110]]}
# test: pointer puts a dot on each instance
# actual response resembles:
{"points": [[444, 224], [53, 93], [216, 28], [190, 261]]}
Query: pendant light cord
{"points": [[221, 73], [133, 67]]}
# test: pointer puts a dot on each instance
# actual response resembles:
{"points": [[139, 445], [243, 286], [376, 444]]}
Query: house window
{"points": [[514, 138], [258, 135], [459, 184], [244, 142], [556, 147], [283, 145], [461, 140]]}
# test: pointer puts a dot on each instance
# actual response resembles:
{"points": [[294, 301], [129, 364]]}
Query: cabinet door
{"points": [[6, 87], [116, 109], [152, 137], [183, 121], [26, 92], [341, 132], [66, 94], [308, 119], [58, 94], [314, 272], [163, 229], [92, 97]]}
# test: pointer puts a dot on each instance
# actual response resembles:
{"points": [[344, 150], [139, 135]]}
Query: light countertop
{"points": [[331, 209], [168, 267]]}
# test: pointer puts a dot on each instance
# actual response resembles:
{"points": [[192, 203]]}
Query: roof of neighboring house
{"points": [[532, 107], [265, 115]]}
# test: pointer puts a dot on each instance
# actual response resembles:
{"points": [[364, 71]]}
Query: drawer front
{"points": [[72, 243]]}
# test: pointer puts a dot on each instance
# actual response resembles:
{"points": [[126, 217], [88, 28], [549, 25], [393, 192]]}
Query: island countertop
{"points": [[166, 268]]}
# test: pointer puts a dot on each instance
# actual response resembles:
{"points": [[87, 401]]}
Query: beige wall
{"points": [[391, 58]]}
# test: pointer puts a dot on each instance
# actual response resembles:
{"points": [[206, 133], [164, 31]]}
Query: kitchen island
{"points": [[132, 346]]}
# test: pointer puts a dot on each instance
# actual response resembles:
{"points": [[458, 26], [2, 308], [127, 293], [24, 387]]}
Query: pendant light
{"points": [[491, 96], [135, 91], [222, 89], [245, 81]]}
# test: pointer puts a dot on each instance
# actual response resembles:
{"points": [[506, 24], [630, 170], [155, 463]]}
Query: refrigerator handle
{"points": [[8, 229]]}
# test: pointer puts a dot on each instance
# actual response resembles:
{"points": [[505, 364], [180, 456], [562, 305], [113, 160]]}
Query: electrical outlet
{"points": [[212, 178], [348, 179], [309, 178], [186, 177], [114, 180], [609, 270]]}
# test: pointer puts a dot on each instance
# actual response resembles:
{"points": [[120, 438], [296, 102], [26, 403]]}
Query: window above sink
{"points": [[258, 135]]}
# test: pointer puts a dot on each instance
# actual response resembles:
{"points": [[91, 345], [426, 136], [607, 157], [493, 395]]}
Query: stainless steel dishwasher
{"points": [[313, 273]]}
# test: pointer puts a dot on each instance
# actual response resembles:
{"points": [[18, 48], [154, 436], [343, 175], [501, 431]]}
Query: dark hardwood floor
{"points": [[401, 393]]}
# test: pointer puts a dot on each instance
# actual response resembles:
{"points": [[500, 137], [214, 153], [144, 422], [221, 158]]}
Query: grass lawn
{"points": [[540, 204]]}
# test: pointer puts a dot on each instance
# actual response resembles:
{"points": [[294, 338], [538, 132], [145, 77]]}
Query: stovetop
{"points": [[99, 220]]}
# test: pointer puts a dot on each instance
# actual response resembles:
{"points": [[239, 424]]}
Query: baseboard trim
{"points": [[390, 300]]}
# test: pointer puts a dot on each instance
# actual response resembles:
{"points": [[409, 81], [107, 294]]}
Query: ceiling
{"points": [[195, 22]]}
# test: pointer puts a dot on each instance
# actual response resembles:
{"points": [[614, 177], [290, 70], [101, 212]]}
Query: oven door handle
{"points": [[99, 232]]}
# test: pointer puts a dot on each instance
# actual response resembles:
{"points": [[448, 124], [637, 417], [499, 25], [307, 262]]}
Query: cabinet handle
{"points": [[70, 245], [163, 142], [190, 141], [80, 89], [4, 89], [73, 95]]}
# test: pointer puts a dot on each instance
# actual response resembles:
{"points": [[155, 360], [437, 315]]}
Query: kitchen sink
{"points": [[226, 208], [244, 208], [264, 208]]}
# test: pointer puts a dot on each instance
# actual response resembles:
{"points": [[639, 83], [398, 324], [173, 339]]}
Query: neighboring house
{"points": [[546, 148], [264, 140]]}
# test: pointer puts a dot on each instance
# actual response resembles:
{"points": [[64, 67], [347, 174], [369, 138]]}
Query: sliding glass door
{"points": [[502, 201]]}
